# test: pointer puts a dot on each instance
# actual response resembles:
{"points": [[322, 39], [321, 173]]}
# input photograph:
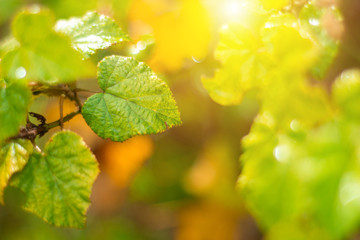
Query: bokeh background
{"points": [[180, 184]]}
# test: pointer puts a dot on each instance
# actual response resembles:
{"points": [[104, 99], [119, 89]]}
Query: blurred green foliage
{"points": [[300, 159]]}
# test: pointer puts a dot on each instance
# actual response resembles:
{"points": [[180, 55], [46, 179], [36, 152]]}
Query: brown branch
{"points": [[31, 131]]}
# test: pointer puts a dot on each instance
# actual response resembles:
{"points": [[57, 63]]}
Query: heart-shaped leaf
{"points": [[57, 183], [135, 101]]}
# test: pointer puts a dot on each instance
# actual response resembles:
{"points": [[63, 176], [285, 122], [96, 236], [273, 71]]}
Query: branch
{"points": [[31, 131], [58, 90], [58, 122]]}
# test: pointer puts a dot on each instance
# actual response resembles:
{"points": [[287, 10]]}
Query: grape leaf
{"points": [[281, 33], [91, 32], [43, 54], [261, 171], [322, 165], [13, 157], [243, 65], [57, 183], [346, 90], [14, 101], [8, 44], [8, 7], [253, 58], [70, 8], [296, 93], [316, 152], [311, 17], [135, 101]]}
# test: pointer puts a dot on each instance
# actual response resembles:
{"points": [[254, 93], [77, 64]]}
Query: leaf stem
{"points": [[57, 123], [61, 108]]}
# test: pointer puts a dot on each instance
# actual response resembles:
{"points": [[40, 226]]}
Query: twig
{"points": [[84, 90], [65, 119], [61, 108], [31, 131], [77, 99]]}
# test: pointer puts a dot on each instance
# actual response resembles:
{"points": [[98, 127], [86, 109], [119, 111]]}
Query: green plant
{"points": [[47, 58], [301, 172]]}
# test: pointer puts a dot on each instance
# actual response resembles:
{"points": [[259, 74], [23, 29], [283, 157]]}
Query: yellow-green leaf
{"points": [[14, 102], [13, 157], [91, 32], [57, 183], [134, 102], [244, 65], [43, 54]]}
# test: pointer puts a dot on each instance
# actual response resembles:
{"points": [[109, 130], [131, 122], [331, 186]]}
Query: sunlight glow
{"points": [[233, 9]]}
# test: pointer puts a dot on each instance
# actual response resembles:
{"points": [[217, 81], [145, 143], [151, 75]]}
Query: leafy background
{"points": [[176, 185]]}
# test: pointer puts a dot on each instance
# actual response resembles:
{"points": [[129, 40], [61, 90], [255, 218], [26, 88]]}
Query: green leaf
{"points": [[346, 90], [14, 102], [8, 44], [57, 183], [13, 157], [43, 54], [296, 93], [314, 177], [243, 67], [71, 8], [226, 86], [91, 32], [8, 7], [280, 34], [135, 101], [311, 19], [254, 57]]}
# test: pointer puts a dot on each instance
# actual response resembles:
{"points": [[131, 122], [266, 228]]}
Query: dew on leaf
{"points": [[295, 125], [281, 153]]}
